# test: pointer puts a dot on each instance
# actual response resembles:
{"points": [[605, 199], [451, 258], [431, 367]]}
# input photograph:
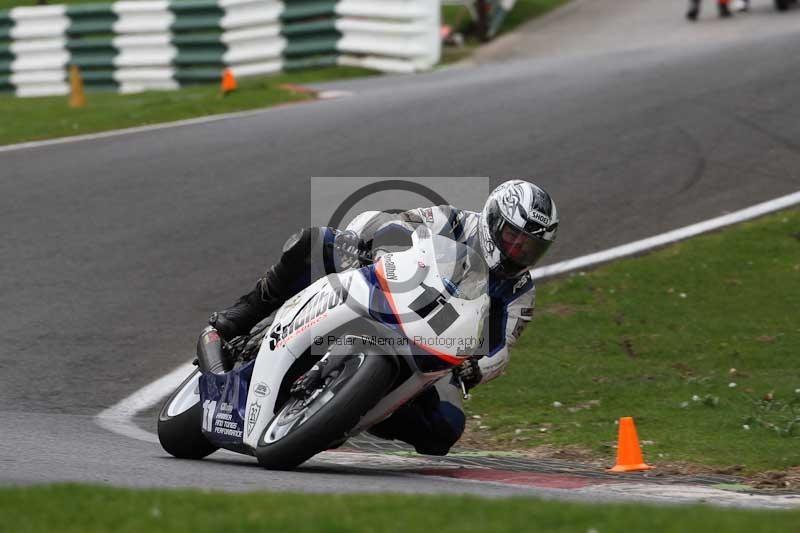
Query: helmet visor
{"points": [[522, 249]]}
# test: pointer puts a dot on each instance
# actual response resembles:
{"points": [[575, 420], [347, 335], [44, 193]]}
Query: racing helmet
{"points": [[518, 224]]}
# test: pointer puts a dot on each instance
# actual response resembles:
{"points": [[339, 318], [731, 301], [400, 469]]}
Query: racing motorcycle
{"points": [[335, 359]]}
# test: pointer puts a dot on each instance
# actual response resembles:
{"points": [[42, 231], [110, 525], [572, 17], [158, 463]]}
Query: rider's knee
{"points": [[299, 242], [298, 248]]}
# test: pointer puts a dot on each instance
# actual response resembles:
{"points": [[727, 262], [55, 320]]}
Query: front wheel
{"points": [[306, 426], [180, 423]]}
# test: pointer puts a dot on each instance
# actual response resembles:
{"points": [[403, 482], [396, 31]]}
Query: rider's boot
{"points": [[248, 310], [291, 274]]}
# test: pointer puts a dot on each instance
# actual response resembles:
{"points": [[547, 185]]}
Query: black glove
{"points": [[470, 373], [349, 251], [227, 328]]}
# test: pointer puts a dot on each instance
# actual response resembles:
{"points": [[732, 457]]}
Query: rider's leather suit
{"points": [[435, 420]]}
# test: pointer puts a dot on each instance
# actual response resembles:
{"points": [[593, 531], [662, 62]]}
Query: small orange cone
{"points": [[77, 98], [629, 454], [228, 82]]}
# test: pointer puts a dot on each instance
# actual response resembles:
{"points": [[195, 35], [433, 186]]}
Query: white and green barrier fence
{"points": [[140, 45]]}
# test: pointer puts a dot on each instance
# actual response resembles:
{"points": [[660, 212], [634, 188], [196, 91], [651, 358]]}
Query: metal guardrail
{"points": [[139, 45]]}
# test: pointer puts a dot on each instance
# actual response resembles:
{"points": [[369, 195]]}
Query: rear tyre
{"points": [[304, 427], [782, 5], [180, 423]]}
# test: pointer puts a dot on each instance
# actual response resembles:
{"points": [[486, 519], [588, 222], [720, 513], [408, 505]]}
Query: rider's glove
{"points": [[348, 249], [226, 328], [470, 373]]}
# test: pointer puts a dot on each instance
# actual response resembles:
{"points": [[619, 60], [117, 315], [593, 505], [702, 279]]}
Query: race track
{"points": [[116, 249]]}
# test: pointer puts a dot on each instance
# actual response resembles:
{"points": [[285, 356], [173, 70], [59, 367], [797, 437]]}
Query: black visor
{"points": [[520, 250], [519, 246]]}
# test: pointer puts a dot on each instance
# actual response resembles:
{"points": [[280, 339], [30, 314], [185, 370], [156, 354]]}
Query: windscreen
{"points": [[463, 270]]}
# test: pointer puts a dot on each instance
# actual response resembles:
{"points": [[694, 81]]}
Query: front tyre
{"points": [[180, 423], [306, 426]]}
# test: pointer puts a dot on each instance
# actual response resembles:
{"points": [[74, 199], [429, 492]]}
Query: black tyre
{"points": [[782, 5], [303, 428], [180, 423]]}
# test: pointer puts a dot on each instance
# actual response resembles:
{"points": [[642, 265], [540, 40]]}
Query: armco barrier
{"points": [[140, 45]]}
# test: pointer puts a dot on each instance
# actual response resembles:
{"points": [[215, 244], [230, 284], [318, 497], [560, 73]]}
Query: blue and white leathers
{"points": [[425, 307], [512, 300]]}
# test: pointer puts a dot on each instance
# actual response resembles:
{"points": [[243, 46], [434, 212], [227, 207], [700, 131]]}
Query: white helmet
{"points": [[518, 224]]}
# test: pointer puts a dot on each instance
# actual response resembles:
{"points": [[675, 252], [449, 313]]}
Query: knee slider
{"points": [[300, 244]]}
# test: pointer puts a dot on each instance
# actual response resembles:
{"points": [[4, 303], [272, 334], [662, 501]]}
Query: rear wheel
{"points": [[180, 423], [782, 5], [305, 426]]}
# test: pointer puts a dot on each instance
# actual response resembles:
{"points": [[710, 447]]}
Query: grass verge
{"points": [[525, 10], [700, 342], [459, 19], [26, 119], [86, 509]]}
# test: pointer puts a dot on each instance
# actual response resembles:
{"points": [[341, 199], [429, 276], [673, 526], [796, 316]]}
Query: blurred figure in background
{"points": [[694, 9]]}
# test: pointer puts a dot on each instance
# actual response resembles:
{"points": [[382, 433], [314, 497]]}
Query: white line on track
{"points": [[667, 238], [119, 417], [324, 95], [333, 95]]}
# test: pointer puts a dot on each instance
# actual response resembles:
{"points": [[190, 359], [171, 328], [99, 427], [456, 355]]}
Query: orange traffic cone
{"points": [[228, 82], [77, 98], [629, 454]]}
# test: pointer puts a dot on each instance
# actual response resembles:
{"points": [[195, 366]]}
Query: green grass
{"points": [[525, 10], [700, 342], [459, 19], [27, 119], [83, 509]]}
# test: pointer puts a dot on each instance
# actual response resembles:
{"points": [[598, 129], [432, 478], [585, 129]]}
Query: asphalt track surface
{"points": [[115, 250]]}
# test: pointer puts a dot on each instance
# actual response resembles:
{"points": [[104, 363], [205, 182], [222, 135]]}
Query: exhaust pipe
{"points": [[209, 352]]}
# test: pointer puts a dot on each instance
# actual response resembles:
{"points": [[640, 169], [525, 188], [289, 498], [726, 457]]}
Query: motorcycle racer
{"points": [[516, 227]]}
